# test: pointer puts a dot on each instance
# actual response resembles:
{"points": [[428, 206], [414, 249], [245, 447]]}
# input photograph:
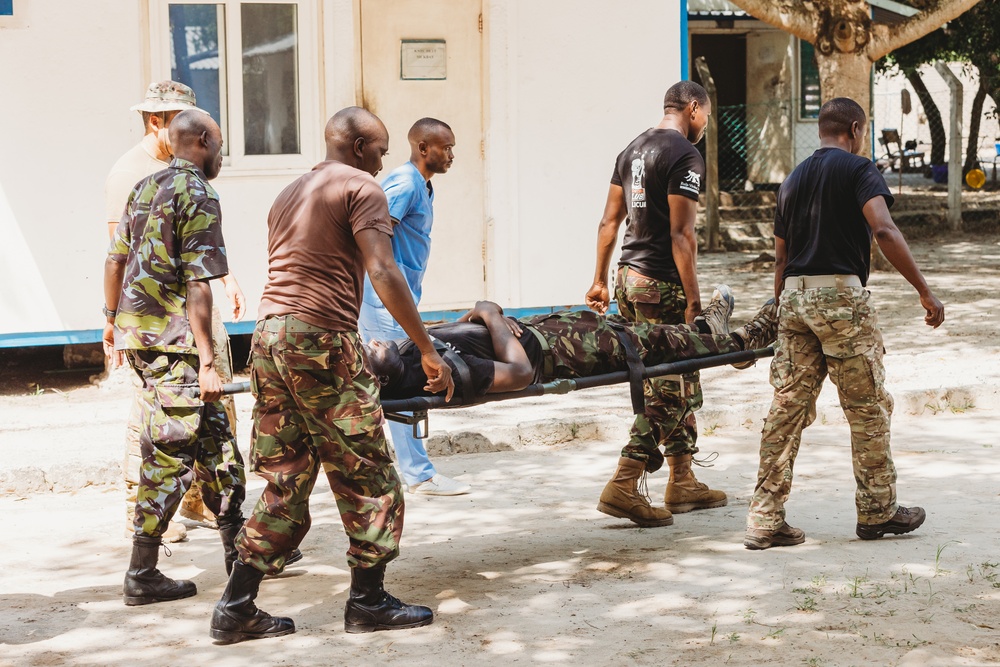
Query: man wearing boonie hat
{"points": [[164, 100]]}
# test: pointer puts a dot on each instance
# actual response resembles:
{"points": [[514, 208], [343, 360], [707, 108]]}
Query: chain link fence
{"points": [[912, 127]]}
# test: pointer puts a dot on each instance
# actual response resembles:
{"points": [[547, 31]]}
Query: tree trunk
{"points": [[934, 122], [972, 148], [846, 75]]}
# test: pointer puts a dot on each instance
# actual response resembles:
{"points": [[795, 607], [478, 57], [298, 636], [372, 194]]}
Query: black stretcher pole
{"points": [[562, 386]]}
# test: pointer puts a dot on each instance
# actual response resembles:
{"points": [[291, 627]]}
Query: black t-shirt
{"points": [[819, 214], [656, 164], [473, 345]]}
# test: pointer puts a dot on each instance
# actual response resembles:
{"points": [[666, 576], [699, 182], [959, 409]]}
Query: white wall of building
{"points": [[571, 83], [567, 84]]}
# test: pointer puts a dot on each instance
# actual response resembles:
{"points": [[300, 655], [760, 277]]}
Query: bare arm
{"points": [[780, 261], [615, 210], [684, 245], [114, 274], [895, 249], [199, 312], [235, 296], [391, 287], [512, 370]]}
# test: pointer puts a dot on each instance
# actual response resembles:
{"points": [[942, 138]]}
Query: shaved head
{"points": [[682, 93], [837, 115], [356, 136], [427, 128], [431, 143], [196, 137]]}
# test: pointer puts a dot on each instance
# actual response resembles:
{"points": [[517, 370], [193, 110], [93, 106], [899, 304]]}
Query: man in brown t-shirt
{"points": [[317, 404]]}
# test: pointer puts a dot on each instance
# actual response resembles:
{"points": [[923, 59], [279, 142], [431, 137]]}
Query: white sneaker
{"points": [[439, 485]]}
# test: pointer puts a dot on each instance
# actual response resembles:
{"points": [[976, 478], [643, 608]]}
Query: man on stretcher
{"points": [[503, 354]]}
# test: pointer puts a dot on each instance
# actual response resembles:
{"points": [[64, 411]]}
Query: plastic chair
{"points": [[908, 157]]}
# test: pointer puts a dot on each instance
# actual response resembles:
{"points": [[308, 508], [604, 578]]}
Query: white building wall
{"points": [[567, 84], [571, 83], [64, 120]]}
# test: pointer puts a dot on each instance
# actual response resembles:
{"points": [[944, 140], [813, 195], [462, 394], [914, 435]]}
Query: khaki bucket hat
{"points": [[167, 96]]}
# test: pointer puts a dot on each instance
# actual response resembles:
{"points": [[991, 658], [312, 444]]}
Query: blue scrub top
{"points": [[411, 201]]}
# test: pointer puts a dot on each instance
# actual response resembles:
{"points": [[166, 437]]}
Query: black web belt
{"points": [[636, 368]]}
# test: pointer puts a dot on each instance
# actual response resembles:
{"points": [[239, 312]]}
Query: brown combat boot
{"points": [[625, 497], [684, 492], [193, 508]]}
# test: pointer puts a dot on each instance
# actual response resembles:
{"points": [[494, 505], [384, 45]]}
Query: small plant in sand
{"points": [[937, 557], [808, 604]]}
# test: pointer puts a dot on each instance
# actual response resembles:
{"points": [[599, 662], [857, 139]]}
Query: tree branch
{"points": [[797, 18], [889, 38]]}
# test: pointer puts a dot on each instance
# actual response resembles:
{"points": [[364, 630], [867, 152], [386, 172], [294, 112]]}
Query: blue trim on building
{"points": [[82, 336], [685, 41], [6, 7]]}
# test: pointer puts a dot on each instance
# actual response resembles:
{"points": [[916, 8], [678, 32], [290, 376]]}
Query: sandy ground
{"points": [[525, 570]]}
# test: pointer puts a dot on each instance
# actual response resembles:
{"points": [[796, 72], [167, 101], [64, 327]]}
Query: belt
{"points": [[290, 324], [812, 282]]}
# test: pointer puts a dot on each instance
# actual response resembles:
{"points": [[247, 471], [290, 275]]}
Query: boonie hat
{"points": [[167, 96]]}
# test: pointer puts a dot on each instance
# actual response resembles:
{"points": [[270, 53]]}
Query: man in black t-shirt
{"points": [[655, 185], [828, 210]]}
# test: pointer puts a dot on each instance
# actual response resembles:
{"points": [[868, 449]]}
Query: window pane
{"points": [[270, 79], [809, 91], [198, 57]]}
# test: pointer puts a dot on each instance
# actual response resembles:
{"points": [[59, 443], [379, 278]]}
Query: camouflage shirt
{"points": [[171, 233]]}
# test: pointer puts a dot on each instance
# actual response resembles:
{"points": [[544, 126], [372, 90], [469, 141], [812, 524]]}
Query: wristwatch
{"points": [[108, 313]]}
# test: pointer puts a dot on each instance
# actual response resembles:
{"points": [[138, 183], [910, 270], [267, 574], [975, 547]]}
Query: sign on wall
{"points": [[423, 59]]}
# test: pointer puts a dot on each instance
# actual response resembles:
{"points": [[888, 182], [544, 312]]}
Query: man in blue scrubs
{"points": [[411, 205]]}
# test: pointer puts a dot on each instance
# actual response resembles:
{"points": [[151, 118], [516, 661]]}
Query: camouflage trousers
{"points": [[823, 331], [140, 406], [669, 419], [582, 343], [182, 439], [318, 408]]}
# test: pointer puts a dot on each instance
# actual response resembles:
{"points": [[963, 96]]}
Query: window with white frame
{"points": [[245, 61]]}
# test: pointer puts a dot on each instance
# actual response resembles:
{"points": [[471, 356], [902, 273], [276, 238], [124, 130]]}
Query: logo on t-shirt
{"points": [[638, 183], [691, 182]]}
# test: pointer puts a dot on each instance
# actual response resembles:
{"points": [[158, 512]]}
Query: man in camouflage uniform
{"points": [[317, 406], [828, 210], [163, 101], [504, 354], [655, 185], [167, 248]]}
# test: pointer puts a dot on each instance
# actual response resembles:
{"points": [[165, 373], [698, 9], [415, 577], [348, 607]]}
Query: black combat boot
{"points": [[237, 618], [144, 584], [229, 526], [370, 608]]}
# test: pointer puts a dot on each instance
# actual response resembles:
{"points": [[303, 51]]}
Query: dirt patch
{"points": [[525, 570]]}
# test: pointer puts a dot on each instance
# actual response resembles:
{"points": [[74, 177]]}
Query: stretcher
{"points": [[413, 411]]}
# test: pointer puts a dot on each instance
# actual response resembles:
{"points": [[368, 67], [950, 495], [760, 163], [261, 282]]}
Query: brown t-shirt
{"points": [[315, 269]]}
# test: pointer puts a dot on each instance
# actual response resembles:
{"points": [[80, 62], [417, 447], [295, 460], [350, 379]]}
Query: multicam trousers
{"points": [[140, 406], [820, 331], [669, 419], [182, 439], [317, 407]]}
